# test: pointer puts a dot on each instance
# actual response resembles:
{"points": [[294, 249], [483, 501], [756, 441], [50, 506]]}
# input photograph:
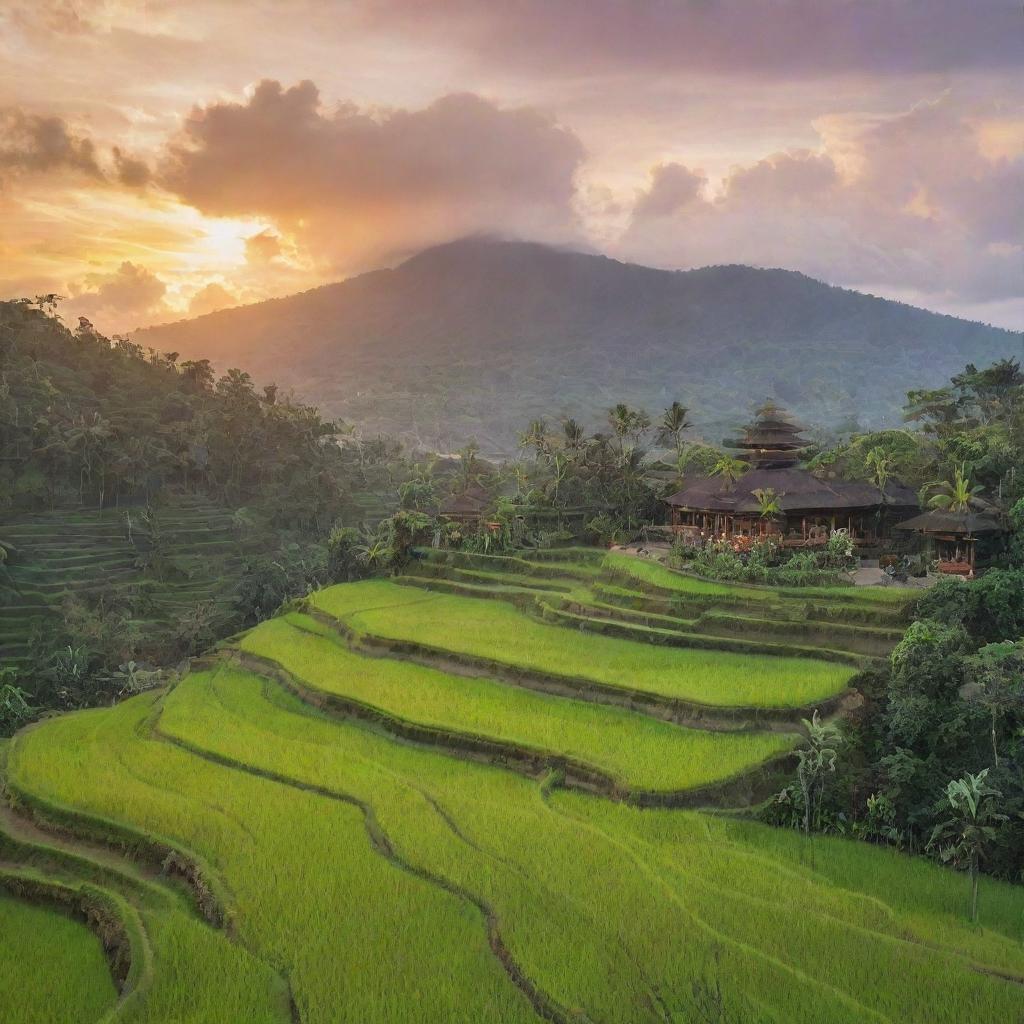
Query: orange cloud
{"points": [[358, 187], [211, 298]]}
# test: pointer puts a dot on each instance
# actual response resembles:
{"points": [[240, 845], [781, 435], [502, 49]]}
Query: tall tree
{"points": [[674, 421], [964, 838]]}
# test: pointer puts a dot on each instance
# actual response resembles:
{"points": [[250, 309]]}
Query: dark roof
{"points": [[942, 521], [796, 489], [472, 501], [761, 438], [771, 439]]}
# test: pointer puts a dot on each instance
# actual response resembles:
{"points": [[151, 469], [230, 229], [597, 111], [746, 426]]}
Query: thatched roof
{"points": [[796, 489], [471, 502], [962, 524]]}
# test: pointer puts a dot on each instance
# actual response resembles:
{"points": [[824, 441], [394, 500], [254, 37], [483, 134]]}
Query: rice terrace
{"points": [[511, 512], [511, 816]]}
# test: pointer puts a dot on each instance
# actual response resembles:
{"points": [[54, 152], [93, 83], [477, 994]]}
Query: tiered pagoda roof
{"points": [[773, 446], [771, 440]]}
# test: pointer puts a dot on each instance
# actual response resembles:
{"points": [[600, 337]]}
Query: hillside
{"points": [[475, 338], [509, 827]]}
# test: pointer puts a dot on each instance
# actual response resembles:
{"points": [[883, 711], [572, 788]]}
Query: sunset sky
{"points": [[164, 159]]}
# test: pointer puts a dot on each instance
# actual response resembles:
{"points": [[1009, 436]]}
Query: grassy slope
{"points": [[51, 967], [638, 750], [311, 892], [659, 575], [612, 911], [496, 630]]}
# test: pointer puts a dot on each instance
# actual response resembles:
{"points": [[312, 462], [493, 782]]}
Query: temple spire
{"points": [[772, 440]]}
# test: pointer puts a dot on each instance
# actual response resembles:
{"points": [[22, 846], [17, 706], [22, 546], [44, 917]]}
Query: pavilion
{"points": [[952, 536]]}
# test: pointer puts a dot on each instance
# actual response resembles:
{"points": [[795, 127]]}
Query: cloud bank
{"points": [[912, 201], [760, 38], [364, 184]]}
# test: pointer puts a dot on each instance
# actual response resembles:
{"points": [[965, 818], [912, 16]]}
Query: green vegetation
{"points": [[309, 820], [664, 578], [50, 963], [500, 633], [446, 796], [149, 507], [637, 751]]}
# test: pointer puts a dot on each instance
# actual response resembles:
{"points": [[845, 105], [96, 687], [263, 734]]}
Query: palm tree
{"points": [[574, 438], [468, 463], [768, 502], [626, 422], [956, 495], [536, 437], [964, 838], [729, 468], [673, 423]]}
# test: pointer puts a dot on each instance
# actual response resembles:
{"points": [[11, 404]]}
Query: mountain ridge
{"points": [[475, 337]]}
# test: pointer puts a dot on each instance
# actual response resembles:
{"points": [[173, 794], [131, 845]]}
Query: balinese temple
{"points": [[809, 507]]}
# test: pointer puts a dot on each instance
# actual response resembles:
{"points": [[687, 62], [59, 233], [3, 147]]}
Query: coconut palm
{"points": [[469, 463], [963, 839], [536, 437], [673, 423], [626, 422], [958, 494], [574, 438]]}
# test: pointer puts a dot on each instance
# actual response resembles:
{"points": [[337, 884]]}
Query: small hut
{"points": [[954, 536]]}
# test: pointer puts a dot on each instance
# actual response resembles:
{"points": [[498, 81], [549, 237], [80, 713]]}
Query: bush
{"points": [[15, 709], [681, 552], [719, 563], [761, 565], [838, 553], [602, 529], [344, 562], [990, 608], [802, 570]]}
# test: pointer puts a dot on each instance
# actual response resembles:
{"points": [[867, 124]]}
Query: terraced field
{"points": [[391, 806], [83, 552], [47, 958]]}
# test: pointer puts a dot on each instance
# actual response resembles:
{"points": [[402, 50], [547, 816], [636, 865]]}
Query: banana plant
{"points": [[964, 838], [956, 495], [768, 502]]}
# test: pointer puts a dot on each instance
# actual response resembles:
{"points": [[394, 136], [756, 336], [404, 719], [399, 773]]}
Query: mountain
{"points": [[477, 337]]}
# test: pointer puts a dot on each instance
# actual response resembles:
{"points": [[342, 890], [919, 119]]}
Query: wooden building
{"points": [[468, 506], [808, 507], [952, 537]]}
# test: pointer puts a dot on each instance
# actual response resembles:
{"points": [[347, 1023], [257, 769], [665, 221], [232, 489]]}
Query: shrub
{"points": [[990, 608], [602, 529], [719, 563], [15, 709], [344, 562]]}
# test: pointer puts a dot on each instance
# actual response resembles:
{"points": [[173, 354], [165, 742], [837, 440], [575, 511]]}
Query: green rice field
{"points": [[47, 959], [634, 749], [498, 631], [279, 847]]}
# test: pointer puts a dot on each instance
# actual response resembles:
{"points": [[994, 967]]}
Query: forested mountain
{"points": [[477, 337], [149, 506]]}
